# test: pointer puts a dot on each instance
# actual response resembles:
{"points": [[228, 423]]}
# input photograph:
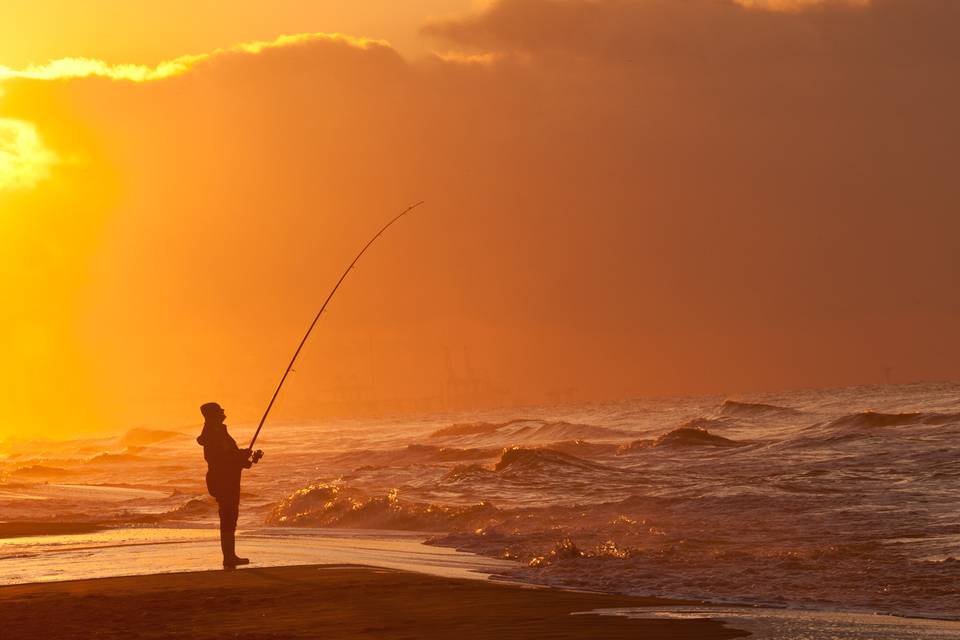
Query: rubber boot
{"points": [[227, 545]]}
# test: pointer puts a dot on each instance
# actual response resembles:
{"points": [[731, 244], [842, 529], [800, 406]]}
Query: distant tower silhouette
{"points": [[467, 368], [464, 390]]}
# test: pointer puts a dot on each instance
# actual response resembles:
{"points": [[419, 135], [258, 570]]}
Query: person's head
{"points": [[213, 413]]}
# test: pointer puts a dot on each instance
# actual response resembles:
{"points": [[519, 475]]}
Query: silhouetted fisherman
{"points": [[225, 462]]}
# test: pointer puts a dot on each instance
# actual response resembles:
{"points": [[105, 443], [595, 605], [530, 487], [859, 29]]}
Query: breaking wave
{"points": [[528, 431], [463, 473], [114, 458], [681, 438], [474, 428], [754, 409], [414, 454], [190, 510], [526, 475], [582, 448], [144, 437], [42, 472], [523, 460], [875, 419], [325, 505], [708, 423]]}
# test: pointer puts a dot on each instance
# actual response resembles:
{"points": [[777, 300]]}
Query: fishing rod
{"points": [[317, 317]]}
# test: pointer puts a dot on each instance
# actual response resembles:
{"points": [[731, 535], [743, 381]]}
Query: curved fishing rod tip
{"points": [[296, 353]]}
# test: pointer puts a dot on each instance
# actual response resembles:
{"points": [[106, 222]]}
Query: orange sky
{"points": [[623, 198], [34, 31]]}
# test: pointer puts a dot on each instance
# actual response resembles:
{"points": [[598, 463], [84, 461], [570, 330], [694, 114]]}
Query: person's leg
{"points": [[229, 511]]}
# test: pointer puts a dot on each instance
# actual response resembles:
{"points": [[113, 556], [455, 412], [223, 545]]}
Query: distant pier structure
{"points": [[466, 389], [458, 386]]}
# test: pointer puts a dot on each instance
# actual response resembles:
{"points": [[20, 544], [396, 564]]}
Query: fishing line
{"points": [[317, 317]]}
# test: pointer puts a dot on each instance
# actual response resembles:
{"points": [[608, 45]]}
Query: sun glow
{"points": [[24, 159]]}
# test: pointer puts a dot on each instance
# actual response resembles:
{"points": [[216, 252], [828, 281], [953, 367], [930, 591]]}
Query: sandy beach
{"points": [[329, 601], [167, 582]]}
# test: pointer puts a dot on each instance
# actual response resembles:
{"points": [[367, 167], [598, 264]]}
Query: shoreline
{"points": [[162, 550], [58, 552], [33, 529]]}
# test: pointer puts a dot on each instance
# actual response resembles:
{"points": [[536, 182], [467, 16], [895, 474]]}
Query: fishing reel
{"points": [[256, 456]]}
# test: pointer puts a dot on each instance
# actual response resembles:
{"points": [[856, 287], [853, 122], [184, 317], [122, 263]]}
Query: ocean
{"points": [[820, 500]]}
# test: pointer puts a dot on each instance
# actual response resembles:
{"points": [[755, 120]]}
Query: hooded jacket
{"points": [[225, 460]]}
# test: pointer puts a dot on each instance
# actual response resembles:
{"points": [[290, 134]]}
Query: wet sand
{"points": [[323, 601], [153, 550], [25, 529]]}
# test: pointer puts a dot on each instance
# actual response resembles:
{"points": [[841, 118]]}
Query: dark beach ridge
{"points": [[335, 601]]}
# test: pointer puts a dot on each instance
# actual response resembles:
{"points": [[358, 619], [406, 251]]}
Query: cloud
{"points": [[799, 5], [665, 33], [24, 159], [71, 68], [458, 57], [67, 68]]}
